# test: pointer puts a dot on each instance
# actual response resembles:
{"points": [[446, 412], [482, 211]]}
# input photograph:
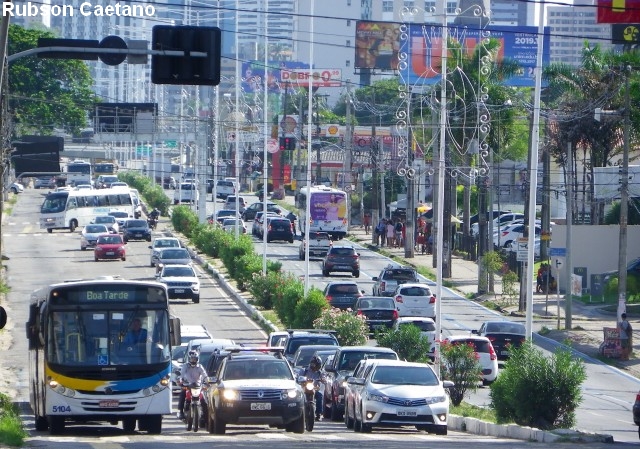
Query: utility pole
{"points": [[375, 200], [624, 203], [569, 265], [348, 154], [409, 247]]}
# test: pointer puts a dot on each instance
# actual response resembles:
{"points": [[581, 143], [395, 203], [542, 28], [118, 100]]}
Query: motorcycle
{"points": [[310, 387], [153, 222], [193, 400]]}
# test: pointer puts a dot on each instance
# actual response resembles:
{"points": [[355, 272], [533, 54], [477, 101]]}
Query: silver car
{"points": [[172, 256], [90, 233], [159, 244]]}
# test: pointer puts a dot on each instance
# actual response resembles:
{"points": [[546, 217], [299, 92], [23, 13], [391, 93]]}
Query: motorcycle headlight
{"points": [[309, 386], [230, 395], [436, 399], [378, 398]]}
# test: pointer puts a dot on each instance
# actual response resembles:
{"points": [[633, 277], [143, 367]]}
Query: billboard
{"points": [[618, 11], [286, 74], [124, 117], [328, 206], [423, 44], [626, 34], [377, 45], [606, 182], [37, 154]]}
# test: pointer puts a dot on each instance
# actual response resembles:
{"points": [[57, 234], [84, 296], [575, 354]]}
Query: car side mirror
{"points": [[375, 278], [475, 331], [150, 247], [330, 369], [448, 384], [362, 291]]}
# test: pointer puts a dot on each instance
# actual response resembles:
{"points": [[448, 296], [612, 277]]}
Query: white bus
{"points": [[79, 172], [87, 364], [328, 210], [70, 209]]}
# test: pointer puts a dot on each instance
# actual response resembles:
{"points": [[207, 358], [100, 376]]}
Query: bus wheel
{"points": [[56, 425], [73, 225], [41, 423], [49, 230], [154, 424], [129, 425]]}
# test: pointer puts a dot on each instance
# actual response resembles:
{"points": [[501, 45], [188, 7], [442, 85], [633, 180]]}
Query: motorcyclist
{"points": [[190, 372], [155, 213], [313, 372]]}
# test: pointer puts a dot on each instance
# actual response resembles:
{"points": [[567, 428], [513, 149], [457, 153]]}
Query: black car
{"points": [[251, 389], [636, 412], [279, 229], [503, 335], [297, 338], [379, 311], [250, 212], [136, 230], [342, 294], [340, 368], [341, 259]]}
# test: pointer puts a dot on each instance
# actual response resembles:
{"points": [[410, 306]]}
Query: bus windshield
{"points": [[79, 167], [107, 337], [54, 202]]}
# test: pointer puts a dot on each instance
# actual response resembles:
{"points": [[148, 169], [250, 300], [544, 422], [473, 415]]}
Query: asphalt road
{"points": [[38, 258]]}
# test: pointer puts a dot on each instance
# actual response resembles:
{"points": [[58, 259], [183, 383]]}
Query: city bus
{"points": [[82, 368], [103, 167], [70, 209], [328, 210], [79, 172]]}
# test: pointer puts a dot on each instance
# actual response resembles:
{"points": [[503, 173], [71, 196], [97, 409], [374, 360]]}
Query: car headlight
{"points": [[291, 394], [436, 399], [230, 395], [378, 398]]}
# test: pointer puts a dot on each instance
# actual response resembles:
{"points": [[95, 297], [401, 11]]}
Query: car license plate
{"points": [[343, 267], [179, 290], [407, 413], [109, 403], [138, 235], [110, 253], [280, 229], [415, 312], [260, 406], [504, 352]]}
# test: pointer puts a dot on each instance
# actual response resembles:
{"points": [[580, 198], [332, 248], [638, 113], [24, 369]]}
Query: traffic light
{"points": [[186, 69], [287, 143]]}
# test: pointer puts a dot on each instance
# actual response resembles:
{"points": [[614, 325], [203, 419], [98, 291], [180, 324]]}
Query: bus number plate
{"points": [[110, 403]]}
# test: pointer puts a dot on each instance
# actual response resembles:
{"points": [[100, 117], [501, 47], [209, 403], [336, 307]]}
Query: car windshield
{"points": [[178, 272], [94, 229], [506, 328], [109, 240], [109, 220], [344, 289], [295, 343], [404, 375], [257, 369], [136, 224], [231, 222], [478, 345], [342, 251], [349, 359], [119, 214], [377, 303], [318, 236], [175, 254], [166, 243], [400, 275], [226, 213], [415, 291], [424, 326]]}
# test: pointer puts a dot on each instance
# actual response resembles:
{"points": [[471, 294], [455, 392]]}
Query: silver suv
{"points": [[390, 277]]}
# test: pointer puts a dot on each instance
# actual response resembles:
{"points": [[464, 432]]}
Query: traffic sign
{"points": [[558, 252], [522, 250], [272, 146], [559, 263]]}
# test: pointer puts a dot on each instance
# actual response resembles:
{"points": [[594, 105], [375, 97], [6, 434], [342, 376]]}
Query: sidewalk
{"points": [[587, 321]]}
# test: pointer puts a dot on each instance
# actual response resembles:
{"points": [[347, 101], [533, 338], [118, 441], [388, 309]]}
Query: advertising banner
{"points": [[423, 45], [328, 206], [377, 45], [618, 11]]}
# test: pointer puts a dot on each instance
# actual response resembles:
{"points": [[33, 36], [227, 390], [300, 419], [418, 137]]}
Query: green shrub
{"points": [[12, 431], [232, 253], [351, 330], [285, 303], [184, 220], [249, 265], [538, 391], [459, 364], [309, 308], [407, 341], [265, 288]]}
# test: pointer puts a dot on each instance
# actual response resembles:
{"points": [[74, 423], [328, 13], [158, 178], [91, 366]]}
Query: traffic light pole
{"points": [[105, 51]]}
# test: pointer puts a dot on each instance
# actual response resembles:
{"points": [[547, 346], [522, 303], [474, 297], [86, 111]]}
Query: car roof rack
{"points": [[312, 331], [238, 350]]}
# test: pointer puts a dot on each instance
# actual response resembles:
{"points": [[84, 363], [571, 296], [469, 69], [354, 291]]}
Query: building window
{"points": [[348, 43], [348, 22], [387, 6], [347, 63]]}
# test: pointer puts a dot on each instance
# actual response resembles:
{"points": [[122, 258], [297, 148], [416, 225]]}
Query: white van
{"points": [[186, 192]]}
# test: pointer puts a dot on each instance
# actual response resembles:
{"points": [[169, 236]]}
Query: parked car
{"points": [[160, 243], [394, 393], [109, 221], [340, 368], [503, 336], [386, 283], [426, 325], [110, 246], [487, 356], [499, 221], [16, 188], [136, 230], [90, 233], [379, 311], [510, 234], [342, 294], [251, 211], [415, 300], [278, 228], [182, 282], [341, 259], [255, 389]]}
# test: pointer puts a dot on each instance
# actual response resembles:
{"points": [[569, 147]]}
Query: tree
{"points": [[46, 93]]}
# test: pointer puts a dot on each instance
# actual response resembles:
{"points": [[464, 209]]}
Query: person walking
{"points": [[380, 231], [391, 234], [625, 336], [367, 223]]}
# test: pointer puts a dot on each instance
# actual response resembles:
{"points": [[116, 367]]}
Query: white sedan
{"points": [[90, 233], [394, 393], [229, 225]]}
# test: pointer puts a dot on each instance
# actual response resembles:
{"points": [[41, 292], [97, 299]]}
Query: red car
{"points": [[110, 246]]}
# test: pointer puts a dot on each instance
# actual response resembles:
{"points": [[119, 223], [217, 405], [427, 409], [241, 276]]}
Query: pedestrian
{"points": [[367, 222], [399, 229], [391, 234], [626, 333], [380, 231]]}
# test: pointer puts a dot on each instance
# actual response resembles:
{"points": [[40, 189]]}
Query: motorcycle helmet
{"points": [[315, 363], [194, 358]]}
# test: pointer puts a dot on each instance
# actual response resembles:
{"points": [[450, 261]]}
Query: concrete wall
{"points": [[595, 247]]}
